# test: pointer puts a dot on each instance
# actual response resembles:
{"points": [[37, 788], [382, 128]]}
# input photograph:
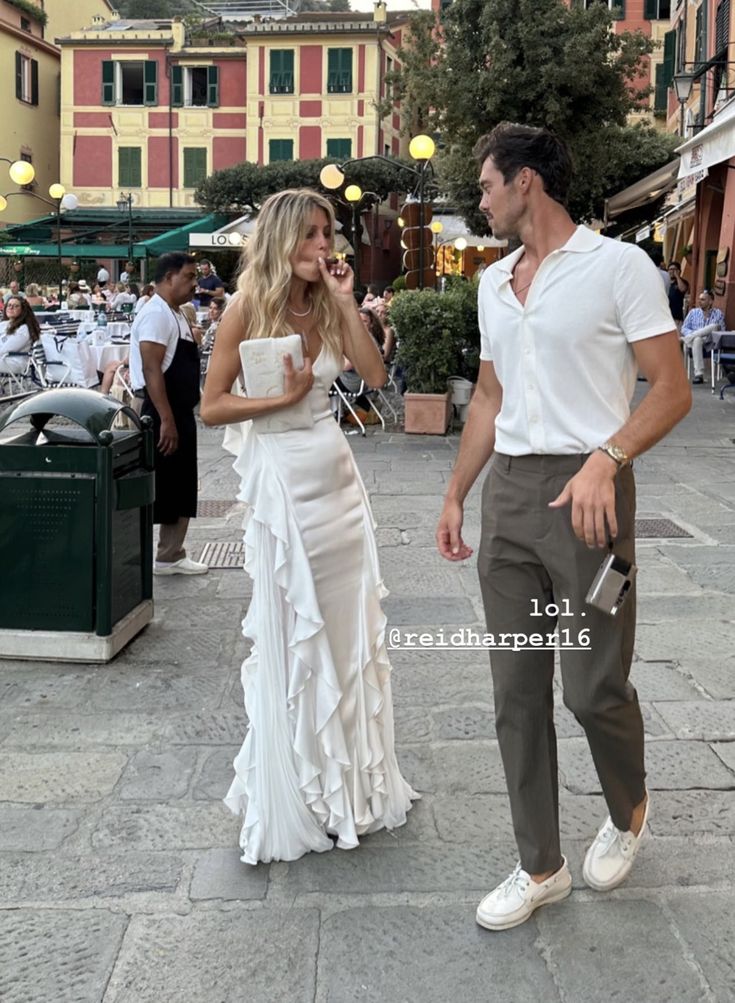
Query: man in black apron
{"points": [[164, 365]]}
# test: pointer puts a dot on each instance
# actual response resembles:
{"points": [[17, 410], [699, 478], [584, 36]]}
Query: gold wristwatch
{"points": [[616, 453]]}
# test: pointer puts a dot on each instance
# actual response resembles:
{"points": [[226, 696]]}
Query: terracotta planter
{"points": [[427, 414]]}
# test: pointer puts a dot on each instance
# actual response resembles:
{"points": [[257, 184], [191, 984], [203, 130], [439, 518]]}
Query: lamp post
{"points": [[422, 149], [683, 84], [22, 173], [125, 203], [436, 228]]}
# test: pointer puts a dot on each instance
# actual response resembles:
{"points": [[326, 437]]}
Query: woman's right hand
{"points": [[297, 382]]}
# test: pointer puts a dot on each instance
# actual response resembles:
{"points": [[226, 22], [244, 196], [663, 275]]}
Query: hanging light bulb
{"points": [[331, 176], [57, 191], [21, 172]]}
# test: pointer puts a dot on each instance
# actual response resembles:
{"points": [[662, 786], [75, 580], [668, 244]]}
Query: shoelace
{"points": [[610, 836], [518, 879]]}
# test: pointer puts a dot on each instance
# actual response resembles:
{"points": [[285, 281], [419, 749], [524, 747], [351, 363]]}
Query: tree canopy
{"points": [[537, 62]]}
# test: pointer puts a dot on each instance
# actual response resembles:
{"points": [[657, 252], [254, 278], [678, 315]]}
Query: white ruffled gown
{"points": [[318, 756]]}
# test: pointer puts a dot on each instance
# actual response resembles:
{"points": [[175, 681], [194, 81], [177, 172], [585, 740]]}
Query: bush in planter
{"points": [[437, 335]]}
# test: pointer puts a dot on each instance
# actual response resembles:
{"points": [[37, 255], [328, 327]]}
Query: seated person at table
{"points": [[350, 380], [697, 330], [145, 295], [216, 309], [110, 372], [122, 298], [34, 297], [17, 334], [79, 296], [14, 290], [190, 313]]}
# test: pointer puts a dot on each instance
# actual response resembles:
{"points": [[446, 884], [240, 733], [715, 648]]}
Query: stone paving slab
{"points": [[707, 925], [472, 768], [61, 777], [683, 813], [659, 681], [707, 720], [449, 610], [670, 765], [35, 877], [659, 643], [418, 867], [168, 688], [262, 956], [165, 827], [220, 874], [72, 730], [36, 829], [716, 676], [158, 776], [215, 774], [726, 752], [430, 954], [57, 955], [615, 962]]}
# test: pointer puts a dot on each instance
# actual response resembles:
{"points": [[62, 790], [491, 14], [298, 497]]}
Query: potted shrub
{"points": [[434, 336]]}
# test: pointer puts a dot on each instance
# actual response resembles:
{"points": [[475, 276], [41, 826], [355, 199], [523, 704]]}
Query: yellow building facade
{"points": [[150, 110], [31, 82]]}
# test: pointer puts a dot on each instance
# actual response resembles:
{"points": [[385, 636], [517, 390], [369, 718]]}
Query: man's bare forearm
{"points": [[661, 409], [475, 448]]}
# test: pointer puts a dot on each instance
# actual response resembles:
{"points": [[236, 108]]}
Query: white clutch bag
{"points": [[262, 368]]}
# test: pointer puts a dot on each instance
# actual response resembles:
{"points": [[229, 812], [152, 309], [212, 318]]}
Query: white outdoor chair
{"points": [[48, 374]]}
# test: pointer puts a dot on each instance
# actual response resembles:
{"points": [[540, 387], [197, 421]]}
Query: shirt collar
{"points": [[581, 241]]}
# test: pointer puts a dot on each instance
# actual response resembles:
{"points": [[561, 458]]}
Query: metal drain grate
{"points": [[213, 507], [223, 555], [649, 529]]}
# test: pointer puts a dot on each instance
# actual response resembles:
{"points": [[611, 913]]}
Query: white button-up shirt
{"points": [[564, 360]]}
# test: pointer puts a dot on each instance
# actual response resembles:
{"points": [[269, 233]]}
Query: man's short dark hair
{"points": [[514, 147], [219, 301], [205, 261], [174, 261], [388, 289]]}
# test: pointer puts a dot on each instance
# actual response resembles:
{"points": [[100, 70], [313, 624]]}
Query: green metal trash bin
{"points": [[76, 527]]}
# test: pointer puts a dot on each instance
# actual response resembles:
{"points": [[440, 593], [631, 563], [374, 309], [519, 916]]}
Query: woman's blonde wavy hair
{"points": [[264, 282]]}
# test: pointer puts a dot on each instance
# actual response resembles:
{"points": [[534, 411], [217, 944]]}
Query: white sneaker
{"points": [[513, 901], [183, 567], [609, 859]]}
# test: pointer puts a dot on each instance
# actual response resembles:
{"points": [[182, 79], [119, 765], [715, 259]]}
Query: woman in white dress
{"points": [[18, 332], [318, 758]]}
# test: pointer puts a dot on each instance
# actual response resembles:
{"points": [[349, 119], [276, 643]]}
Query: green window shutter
{"points": [[669, 58], [128, 162], [150, 83], [195, 166], [340, 149], [650, 10], [661, 93], [339, 71], [108, 81], [617, 8], [19, 76], [34, 81], [177, 86], [281, 79], [213, 87], [280, 149]]}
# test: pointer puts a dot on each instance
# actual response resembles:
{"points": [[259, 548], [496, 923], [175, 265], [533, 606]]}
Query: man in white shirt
{"points": [[551, 408], [164, 370]]}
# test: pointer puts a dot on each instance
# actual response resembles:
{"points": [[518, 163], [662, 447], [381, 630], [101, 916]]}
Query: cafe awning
{"points": [[643, 192], [178, 239], [712, 145]]}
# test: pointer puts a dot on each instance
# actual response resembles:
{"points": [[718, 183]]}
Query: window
{"points": [[195, 166], [281, 81], [25, 156], [657, 10], [722, 26], [195, 86], [25, 25], [616, 7], [280, 149], [339, 148], [699, 37], [665, 75], [339, 71], [128, 167], [386, 149], [26, 78], [129, 83]]}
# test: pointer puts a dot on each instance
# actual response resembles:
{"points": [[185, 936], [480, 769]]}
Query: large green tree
{"points": [[536, 62]]}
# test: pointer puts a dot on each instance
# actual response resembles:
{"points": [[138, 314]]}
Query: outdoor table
{"points": [[60, 348], [97, 357]]}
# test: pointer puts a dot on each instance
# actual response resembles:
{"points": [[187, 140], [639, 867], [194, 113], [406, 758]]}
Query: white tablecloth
{"points": [[68, 350], [100, 356]]}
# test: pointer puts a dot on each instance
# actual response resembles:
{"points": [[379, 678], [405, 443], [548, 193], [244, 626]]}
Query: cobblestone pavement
{"points": [[119, 876]]}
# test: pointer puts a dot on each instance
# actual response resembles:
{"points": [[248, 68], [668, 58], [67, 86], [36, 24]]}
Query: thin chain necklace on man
{"points": [[306, 312]]}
